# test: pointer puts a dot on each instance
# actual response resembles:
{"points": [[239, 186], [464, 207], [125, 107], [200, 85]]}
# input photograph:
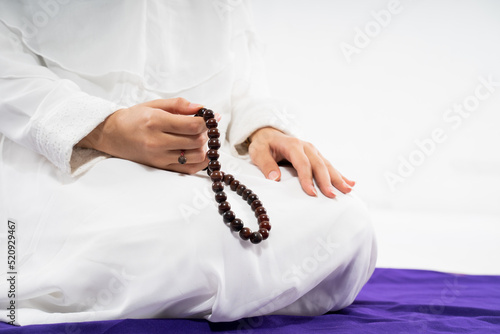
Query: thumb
{"points": [[176, 105], [267, 165]]}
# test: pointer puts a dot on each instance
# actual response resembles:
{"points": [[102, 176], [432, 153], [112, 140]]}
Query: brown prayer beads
{"points": [[219, 178]]}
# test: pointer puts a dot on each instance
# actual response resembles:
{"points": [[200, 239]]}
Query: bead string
{"points": [[218, 178]]}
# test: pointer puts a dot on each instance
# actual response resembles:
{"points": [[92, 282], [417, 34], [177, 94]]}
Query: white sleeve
{"points": [[43, 112], [252, 105]]}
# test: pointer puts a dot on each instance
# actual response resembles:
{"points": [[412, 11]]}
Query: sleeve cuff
{"points": [[68, 122], [263, 113]]}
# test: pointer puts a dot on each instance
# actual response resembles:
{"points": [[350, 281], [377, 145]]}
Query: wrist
{"points": [[92, 139], [95, 138], [262, 133]]}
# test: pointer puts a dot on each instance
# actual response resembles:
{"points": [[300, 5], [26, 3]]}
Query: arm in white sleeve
{"points": [[43, 112], [252, 106]]}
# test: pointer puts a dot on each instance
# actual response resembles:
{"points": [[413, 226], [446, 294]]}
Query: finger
{"points": [[183, 142], [176, 124], [176, 105], [192, 156], [349, 182], [296, 155], [188, 168], [337, 179], [164, 159], [263, 159], [320, 172]]}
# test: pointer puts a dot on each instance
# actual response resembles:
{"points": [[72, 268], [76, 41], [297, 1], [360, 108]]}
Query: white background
{"points": [[366, 113]]}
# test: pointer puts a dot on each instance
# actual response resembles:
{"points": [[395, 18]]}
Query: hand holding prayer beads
{"points": [[219, 178]]}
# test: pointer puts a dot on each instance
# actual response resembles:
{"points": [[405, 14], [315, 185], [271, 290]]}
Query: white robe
{"points": [[104, 238]]}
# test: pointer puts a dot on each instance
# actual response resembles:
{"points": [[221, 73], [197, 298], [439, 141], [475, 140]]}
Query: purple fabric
{"points": [[393, 301]]}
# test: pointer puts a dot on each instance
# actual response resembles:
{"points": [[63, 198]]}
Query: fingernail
{"points": [[349, 188], [217, 116], [331, 191], [314, 191], [273, 176], [195, 105]]}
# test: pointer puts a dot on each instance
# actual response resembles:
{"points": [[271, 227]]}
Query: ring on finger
{"points": [[182, 158]]}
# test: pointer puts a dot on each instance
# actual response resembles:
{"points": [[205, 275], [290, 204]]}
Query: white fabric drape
{"points": [[104, 238]]}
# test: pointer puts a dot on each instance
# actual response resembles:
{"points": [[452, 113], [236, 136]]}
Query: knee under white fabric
{"points": [[128, 241]]}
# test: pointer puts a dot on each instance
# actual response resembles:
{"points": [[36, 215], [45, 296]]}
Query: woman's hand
{"points": [[154, 133], [269, 146]]}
